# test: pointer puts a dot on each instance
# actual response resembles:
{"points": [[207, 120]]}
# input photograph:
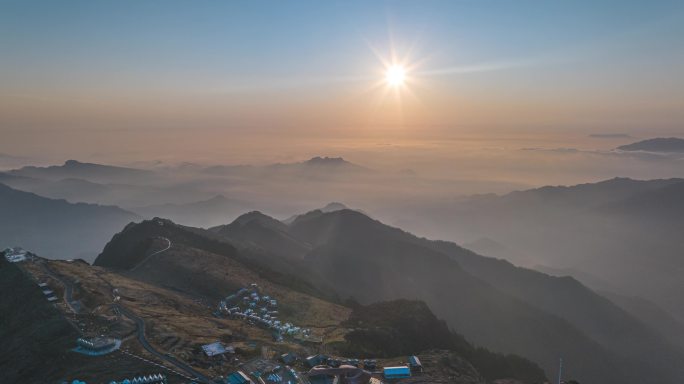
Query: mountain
{"points": [[615, 328], [73, 169], [336, 162], [349, 255], [72, 189], [330, 207], [56, 227], [665, 203], [199, 263], [334, 206], [492, 302], [329, 163], [205, 213], [255, 230], [128, 190], [490, 247], [605, 229], [649, 313], [316, 167], [660, 144], [585, 196], [370, 261]]}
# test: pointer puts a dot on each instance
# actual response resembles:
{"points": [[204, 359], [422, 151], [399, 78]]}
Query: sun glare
{"points": [[395, 75]]}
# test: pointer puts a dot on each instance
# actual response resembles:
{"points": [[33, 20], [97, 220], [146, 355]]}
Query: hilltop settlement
{"points": [[168, 304]]}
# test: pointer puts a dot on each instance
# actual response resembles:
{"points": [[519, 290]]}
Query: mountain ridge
{"points": [[48, 226], [477, 305], [658, 144]]}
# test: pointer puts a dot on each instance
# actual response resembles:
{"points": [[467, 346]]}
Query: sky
{"points": [[260, 81]]}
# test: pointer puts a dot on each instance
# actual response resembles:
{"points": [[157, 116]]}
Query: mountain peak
{"points": [[252, 216], [218, 199], [72, 163], [318, 160], [658, 144], [334, 206]]}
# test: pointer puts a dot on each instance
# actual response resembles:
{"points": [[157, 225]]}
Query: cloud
{"points": [[641, 155], [611, 136], [556, 150]]}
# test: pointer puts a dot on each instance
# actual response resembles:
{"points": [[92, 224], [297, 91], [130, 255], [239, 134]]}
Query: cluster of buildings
{"points": [[274, 378], [15, 255], [390, 373], [49, 293], [151, 379], [96, 346], [317, 360], [249, 304]]}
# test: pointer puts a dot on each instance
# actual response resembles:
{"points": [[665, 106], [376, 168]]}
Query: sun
{"points": [[395, 75]]}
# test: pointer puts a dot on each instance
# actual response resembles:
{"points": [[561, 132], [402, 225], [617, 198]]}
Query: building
{"points": [[288, 358], [238, 377], [401, 372], [352, 362], [217, 348], [415, 364], [315, 360], [370, 364], [15, 255], [150, 379], [97, 346]]}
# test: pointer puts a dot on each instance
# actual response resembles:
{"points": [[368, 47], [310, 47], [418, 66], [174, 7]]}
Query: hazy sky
{"points": [[241, 81]]}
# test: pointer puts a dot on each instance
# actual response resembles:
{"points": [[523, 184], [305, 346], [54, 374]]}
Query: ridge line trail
{"points": [[153, 254]]}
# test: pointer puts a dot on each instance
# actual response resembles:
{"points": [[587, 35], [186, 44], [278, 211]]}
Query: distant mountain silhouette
{"points": [[604, 228], [103, 184], [315, 167], [56, 228], [329, 162], [665, 203], [89, 171], [206, 213], [72, 189], [320, 164], [670, 144], [334, 206]]}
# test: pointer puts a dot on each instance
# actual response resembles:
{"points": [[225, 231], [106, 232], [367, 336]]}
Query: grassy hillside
{"points": [[34, 333], [37, 339]]}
